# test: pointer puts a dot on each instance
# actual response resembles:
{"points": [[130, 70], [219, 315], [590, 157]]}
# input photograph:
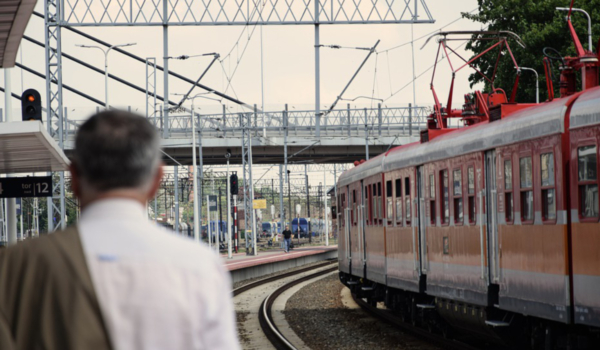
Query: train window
{"points": [[354, 212], [399, 202], [507, 175], [374, 202], [548, 192], [389, 201], [471, 179], [588, 185], [367, 213], [588, 166], [525, 171], [432, 199], [547, 168], [508, 200], [342, 206], [471, 186], [457, 192], [407, 206], [379, 203], [445, 197], [508, 196], [457, 178]]}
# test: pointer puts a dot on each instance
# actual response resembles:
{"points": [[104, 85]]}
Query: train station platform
{"points": [[243, 267]]}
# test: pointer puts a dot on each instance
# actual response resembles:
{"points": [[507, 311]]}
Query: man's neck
{"points": [[114, 194]]}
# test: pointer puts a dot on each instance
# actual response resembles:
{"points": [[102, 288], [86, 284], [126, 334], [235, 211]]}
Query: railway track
{"points": [[265, 316], [435, 339], [269, 329]]}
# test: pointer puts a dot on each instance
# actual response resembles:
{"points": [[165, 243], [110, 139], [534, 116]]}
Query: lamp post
{"points": [[589, 22], [105, 65], [537, 83], [195, 180], [228, 194]]}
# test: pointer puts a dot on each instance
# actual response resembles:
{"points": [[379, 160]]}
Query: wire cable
{"points": [[428, 34]]}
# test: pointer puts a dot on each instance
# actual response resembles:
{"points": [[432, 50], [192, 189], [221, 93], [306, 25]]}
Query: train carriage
{"points": [[585, 226], [492, 227]]}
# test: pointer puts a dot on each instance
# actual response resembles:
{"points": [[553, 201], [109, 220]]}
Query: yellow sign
{"points": [[259, 204]]}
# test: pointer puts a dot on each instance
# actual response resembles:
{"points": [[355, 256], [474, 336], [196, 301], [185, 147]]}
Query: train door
{"points": [[347, 227], [362, 221], [356, 230], [421, 221], [492, 216]]}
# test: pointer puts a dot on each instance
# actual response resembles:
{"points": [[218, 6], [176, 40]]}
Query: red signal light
{"points": [[30, 98]]}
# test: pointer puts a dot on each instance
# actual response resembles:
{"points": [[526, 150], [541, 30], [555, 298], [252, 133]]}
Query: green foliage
{"points": [[539, 25]]}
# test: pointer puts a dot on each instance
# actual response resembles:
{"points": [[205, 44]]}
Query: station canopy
{"points": [[14, 16], [26, 147]]}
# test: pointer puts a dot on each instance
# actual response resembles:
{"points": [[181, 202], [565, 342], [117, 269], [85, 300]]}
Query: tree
{"points": [[539, 25]]}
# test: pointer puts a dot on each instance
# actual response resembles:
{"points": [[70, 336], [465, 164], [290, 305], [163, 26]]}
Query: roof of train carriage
{"points": [[526, 124], [586, 110]]}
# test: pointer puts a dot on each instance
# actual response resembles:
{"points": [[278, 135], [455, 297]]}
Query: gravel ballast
{"points": [[318, 316]]}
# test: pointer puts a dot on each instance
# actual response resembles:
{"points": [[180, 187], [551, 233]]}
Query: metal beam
{"points": [[140, 59], [242, 12]]}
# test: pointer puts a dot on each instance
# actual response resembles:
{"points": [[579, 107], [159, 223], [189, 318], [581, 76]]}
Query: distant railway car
{"points": [[300, 227], [493, 227], [267, 229]]}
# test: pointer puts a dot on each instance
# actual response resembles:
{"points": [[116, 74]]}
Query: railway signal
{"points": [[31, 105], [234, 184]]}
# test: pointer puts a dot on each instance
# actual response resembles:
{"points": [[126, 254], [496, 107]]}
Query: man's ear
{"points": [[75, 180], [156, 181]]}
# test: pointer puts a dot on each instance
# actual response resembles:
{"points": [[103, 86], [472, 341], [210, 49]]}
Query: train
{"points": [[492, 228], [300, 226]]}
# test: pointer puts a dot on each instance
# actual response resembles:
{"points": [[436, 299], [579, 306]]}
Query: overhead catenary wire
{"points": [[386, 51], [420, 75], [426, 35], [229, 77]]}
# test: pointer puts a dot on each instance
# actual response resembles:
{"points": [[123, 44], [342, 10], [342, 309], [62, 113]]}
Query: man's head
{"points": [[286, 226], [117, 154]]}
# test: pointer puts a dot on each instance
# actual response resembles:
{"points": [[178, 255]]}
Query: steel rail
{"points": [[388, 317], [258, 283], [265, 316]]}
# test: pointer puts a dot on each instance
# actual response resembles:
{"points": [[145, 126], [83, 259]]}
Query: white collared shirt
{"points": [[156, 290]]}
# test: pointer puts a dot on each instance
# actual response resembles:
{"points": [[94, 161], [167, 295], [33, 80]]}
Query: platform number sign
{"points": [[33, 186]]}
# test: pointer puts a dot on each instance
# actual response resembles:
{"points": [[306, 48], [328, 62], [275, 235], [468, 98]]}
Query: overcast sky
{"points": [[288, 61]]}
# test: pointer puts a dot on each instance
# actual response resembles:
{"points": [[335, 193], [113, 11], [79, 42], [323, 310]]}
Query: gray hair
{"points": [[116, 149]]}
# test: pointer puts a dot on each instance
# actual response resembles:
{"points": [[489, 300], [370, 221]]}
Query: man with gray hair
{"points": [[115, 280]]}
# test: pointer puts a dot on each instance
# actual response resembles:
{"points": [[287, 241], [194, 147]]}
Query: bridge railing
{"points": [[403, 121], [349, 122]]}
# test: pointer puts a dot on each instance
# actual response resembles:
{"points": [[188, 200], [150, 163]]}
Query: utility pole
{"points": [[228, 193], [281, 216], [289, 199], [11, 204], [325, 218], [307, 203], [220, 220], [176, 189]]}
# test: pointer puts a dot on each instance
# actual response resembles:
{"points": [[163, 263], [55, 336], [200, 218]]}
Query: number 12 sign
{"points": [[32, 186]]}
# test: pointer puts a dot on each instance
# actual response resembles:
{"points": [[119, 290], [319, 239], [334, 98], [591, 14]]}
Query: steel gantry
{"points": [[67, 14], [54, 106], [248, 188]]}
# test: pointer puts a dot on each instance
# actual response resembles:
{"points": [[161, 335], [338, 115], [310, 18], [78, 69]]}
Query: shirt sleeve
{"points": [[219, 331]]}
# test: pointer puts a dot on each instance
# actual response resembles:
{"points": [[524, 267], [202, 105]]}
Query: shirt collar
{"points": [[114, 208]]}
